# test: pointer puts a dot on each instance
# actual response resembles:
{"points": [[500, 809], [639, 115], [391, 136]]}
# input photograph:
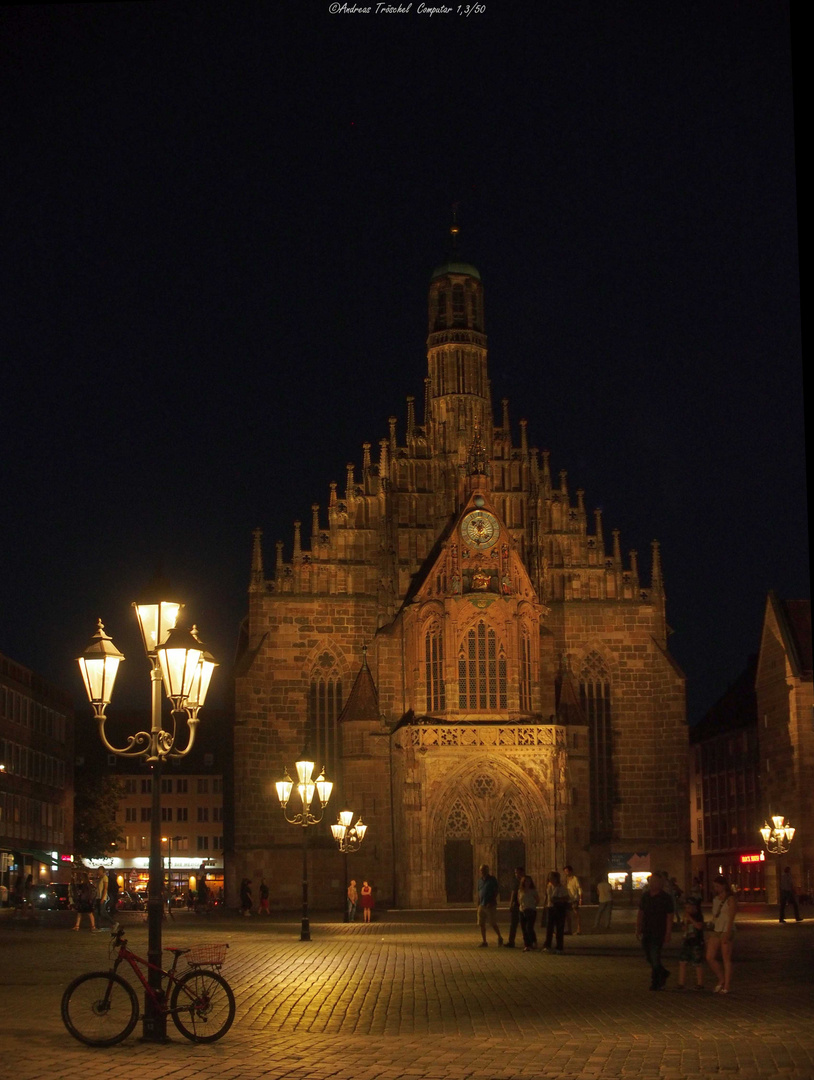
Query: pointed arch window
{"points": [[458, 306], [595, 698], [525, 670], [434, 664], [481, 671], [324, 707]]}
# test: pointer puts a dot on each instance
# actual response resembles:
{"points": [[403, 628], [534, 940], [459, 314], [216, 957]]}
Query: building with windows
{"points": [[192, 805], [725, 795], [482, 674], [36, 775], [785, 715]]}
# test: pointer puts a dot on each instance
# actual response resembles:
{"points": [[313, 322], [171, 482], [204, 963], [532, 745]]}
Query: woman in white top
{"points": [[724, 907]]}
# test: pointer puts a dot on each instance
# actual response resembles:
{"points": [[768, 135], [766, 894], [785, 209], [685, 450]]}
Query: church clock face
{"points": [[480, 528]]}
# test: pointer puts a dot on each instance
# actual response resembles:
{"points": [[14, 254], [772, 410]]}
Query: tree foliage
{"points": [[96, 801]]}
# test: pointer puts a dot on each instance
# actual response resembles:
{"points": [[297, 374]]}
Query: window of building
{"points": [[203, 785], [145, 813], [324, 707], [217, 813], [181, 813], [147, 786], [181, 786], [525, 671], [481, 671], [217, 785], [434, 662], [166, 785], [203, 843], [217, 843], [203, 813], [595, 697], [129, 785], [130, 813], [458, 305], [166, 813]]}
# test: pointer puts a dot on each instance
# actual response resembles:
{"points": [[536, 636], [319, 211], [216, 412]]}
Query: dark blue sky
{"points": [[219, 222]]}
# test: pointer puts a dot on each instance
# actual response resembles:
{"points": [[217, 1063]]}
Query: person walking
{"points": [[246, 897], [487, 905], [604, 895], [81, 895], [719, 942], [575, 900], [100, 896], [529, 900], [263, 894], [788, 895], [353, 900], [654, 924], [558, 903], [367, 901], [514, 907]]}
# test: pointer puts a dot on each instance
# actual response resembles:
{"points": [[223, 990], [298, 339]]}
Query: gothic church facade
{"points": [[482, 676]]}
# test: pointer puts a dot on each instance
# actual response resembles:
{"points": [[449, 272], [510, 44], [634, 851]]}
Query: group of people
{"points": [[89, 894], [561, 900], [360, 898], [659, 911], [246, 904], [654, 927]]}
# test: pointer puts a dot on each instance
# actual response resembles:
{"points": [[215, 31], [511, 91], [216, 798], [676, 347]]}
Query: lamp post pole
{"points": [[349, 838], [179, 660], [777, 837], [306, 789]]}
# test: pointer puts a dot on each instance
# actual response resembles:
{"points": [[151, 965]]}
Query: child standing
{"points": [[692, 947]]}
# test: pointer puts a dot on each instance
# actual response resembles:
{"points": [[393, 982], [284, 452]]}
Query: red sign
{"points": [[66, 858], [753, 858]]}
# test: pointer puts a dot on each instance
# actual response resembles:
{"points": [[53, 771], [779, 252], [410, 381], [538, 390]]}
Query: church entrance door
{"points": [[511, 852], [459, 871]]}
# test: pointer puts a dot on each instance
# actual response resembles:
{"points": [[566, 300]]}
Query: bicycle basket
{"points": [[206, 955]]}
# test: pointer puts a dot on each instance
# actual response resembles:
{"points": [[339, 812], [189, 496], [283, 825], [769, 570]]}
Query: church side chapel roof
{"points": [[363, 700]]}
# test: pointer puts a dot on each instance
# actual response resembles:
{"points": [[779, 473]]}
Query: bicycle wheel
{"points": [[203, 1005], [100, 1009]]}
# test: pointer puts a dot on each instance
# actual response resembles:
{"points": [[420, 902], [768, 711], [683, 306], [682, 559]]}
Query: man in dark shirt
{"points": [[487, 904], [654, 924]]}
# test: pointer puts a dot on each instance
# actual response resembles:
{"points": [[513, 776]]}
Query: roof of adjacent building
{"points": [[736, 708]]}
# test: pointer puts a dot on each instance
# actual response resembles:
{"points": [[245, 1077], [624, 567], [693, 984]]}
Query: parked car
{"points": [[60, 889], [129, 901], [44, 898]]}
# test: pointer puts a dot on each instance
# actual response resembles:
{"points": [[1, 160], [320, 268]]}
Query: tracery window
{"points": [[511, 824], [595, 698], [324, 707], [481, 671], [457, 822], [434, 664]]}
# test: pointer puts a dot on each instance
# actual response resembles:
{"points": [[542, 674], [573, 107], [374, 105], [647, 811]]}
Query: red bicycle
{"points": [[101, 1008]]}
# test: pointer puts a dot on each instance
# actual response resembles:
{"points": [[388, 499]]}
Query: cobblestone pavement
{"points": [[412, 997]]}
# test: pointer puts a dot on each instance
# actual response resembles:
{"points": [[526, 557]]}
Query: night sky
{"points": [[219, 222]]}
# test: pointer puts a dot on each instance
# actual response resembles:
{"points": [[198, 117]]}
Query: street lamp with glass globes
{"points": [[349, 839], [307, 788], [179, 660], [778, 835]]}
